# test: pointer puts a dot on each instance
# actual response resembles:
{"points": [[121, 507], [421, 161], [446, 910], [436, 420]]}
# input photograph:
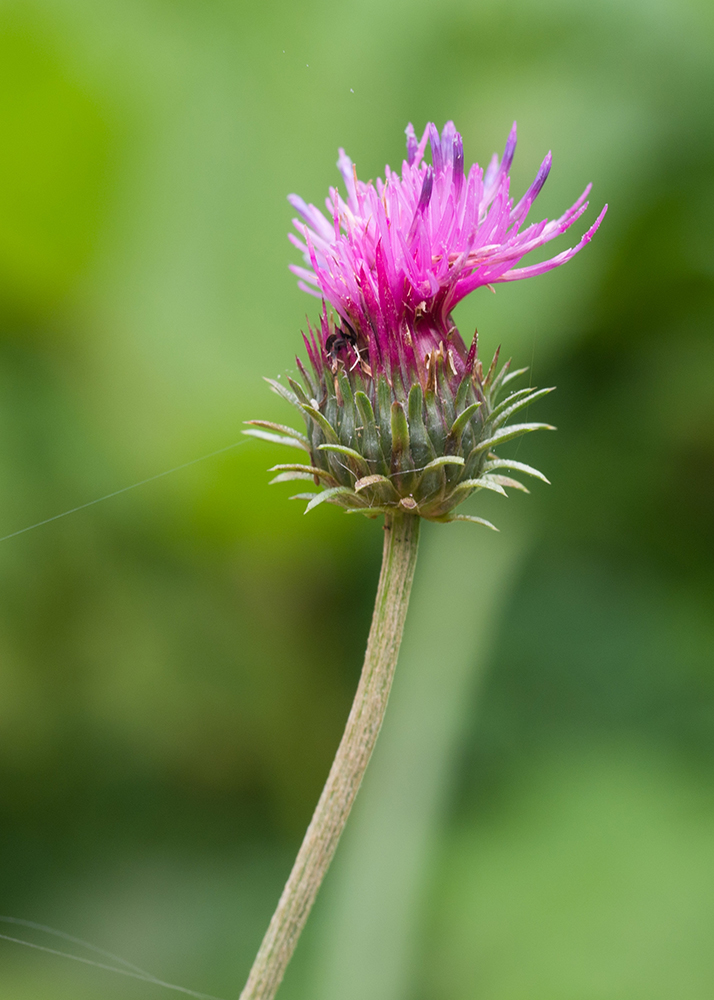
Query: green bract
{"points": [[375, 447]]}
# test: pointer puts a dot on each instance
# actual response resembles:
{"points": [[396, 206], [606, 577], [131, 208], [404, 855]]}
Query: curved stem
{"points": [[401, 540]]}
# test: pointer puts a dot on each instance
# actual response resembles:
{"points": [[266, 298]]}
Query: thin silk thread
{"points": [[124, 489], [133, 971], [19, 922]]}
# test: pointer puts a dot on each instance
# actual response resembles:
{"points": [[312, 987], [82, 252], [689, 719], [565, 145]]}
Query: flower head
{"points": [[400, 414], [394, 258]]}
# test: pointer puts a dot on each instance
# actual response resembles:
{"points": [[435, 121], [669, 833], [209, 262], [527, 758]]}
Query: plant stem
{"points": [[401, 541]]}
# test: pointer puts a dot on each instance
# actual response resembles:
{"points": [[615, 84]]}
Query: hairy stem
{"points": [[401, 540]]}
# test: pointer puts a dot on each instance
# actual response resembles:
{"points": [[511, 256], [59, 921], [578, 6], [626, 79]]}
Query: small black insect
{"points": [[343, 337]]}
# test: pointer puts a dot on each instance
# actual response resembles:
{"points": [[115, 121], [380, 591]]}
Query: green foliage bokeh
{"points": [[176, 662]]}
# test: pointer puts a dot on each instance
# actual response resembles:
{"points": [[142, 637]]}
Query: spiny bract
{"points": [[374, 448]]}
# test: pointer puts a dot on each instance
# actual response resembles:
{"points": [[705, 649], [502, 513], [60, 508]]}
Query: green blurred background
{"points": [[176, 663]]}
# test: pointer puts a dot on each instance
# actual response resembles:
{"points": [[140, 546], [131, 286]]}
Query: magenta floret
{"points": [[396, 256]]}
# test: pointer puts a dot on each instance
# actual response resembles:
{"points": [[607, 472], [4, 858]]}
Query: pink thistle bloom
{"points": [[395, 258]]}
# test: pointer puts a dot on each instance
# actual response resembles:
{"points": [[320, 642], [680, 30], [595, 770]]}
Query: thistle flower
{"points": [[399, 412], [401, 418]]}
